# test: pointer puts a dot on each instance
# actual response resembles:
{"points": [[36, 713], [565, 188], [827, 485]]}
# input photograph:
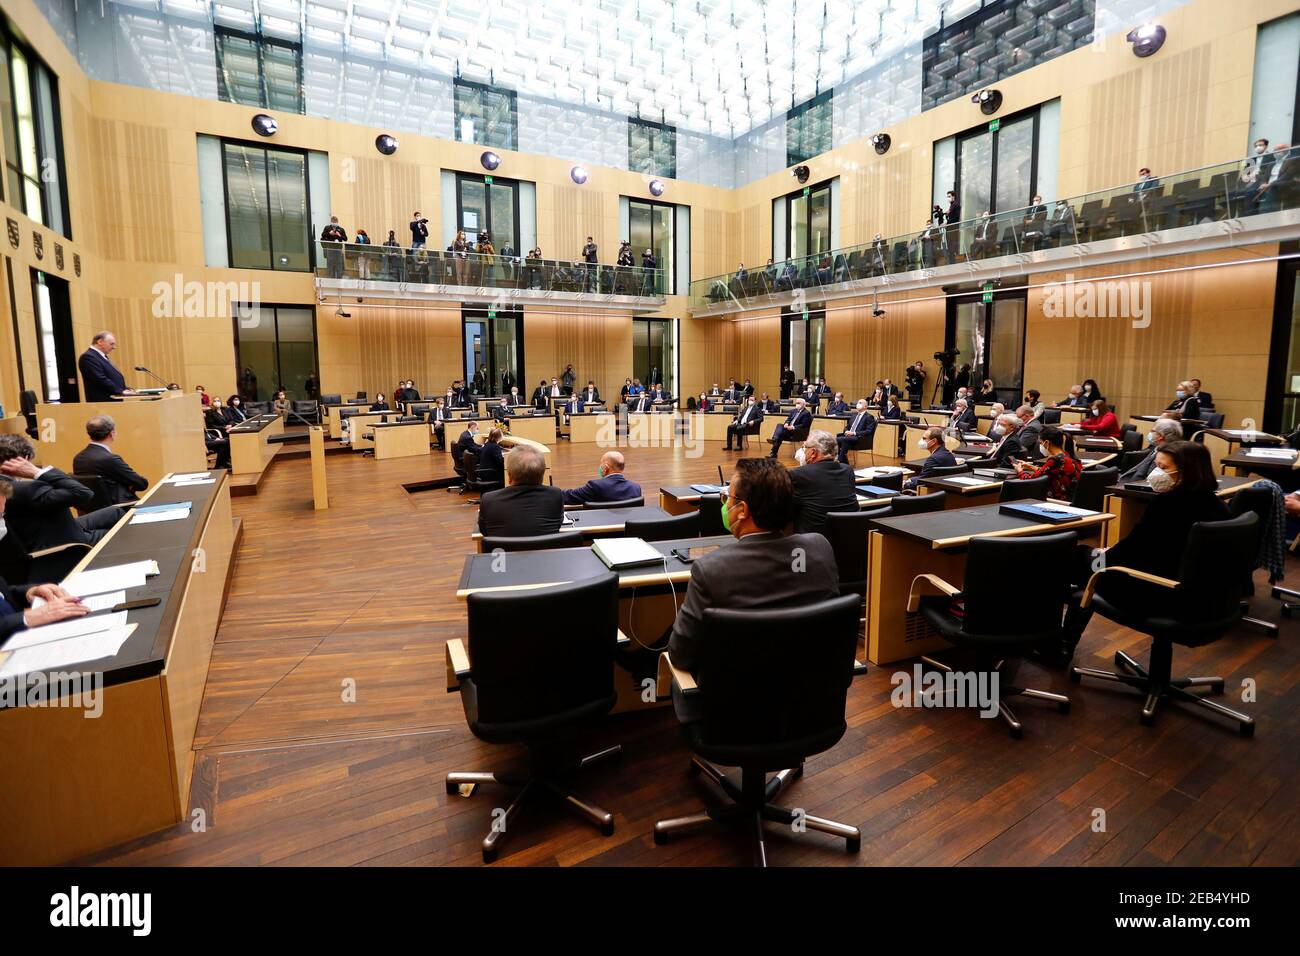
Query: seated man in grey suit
{"points": [[525, 507], [119, 481], [778, 571], [1006, 430], [821, 483], [1030, 432], [1162, 431]]}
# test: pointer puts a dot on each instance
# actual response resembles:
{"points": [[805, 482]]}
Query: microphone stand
{"points": [[165, 384]]}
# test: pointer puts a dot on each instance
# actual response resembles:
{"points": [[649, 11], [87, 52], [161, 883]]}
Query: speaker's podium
{"points": [[156, 433]]}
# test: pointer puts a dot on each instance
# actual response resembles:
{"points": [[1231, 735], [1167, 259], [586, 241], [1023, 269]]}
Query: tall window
{"points": [[803, 343], [651, 148], [1282, 400], [487, 115], [808, 223], [488, 204], [267, 219], [493, 341], [809, 129], [991, 337], [995, 167], [275, 347], [258, 70], [33, 145], [651, 226], [653, 355]]}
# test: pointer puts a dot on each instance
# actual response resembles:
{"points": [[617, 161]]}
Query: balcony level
{"points": [[393, 273], [1198, 210]]}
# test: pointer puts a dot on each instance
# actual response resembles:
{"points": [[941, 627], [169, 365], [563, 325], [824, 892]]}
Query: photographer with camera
{"points": [[332, 238], [419, 230], [946, 383], [915, 382]]}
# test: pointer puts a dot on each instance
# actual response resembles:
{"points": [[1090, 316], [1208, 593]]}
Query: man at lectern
{"points": [[100, 375]]}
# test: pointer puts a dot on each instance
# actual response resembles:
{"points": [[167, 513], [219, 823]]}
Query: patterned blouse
{"points": [[1064, 472]]}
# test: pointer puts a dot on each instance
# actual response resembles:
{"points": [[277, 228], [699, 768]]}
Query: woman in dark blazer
{"points": [[892, 410], [234, 410]]}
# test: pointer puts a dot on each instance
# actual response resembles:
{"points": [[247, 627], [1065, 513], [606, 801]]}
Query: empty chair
{"points": [[948, 470], [979, 619], [1026, 489], [253, 409], [1199, 611], [27, 405], [915, 504], [331, 399], [664, 529], [306, 411], [469, 464], [892, 482], [767, 704], [625, 503], [538, 685], [1051, 416], [1090, 487], [847, 533], [711, 516], [537, 542]]}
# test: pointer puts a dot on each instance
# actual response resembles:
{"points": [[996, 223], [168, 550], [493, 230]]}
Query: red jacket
{"points": [[1106, 425]]}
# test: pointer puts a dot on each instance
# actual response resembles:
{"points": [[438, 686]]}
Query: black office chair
{"points": [[1025, 489], [914, 504], [1051, 416], [979, 619], [1130, 460], [1090, 487], [1199, 611], [946, 470], [27, 405], [307, 411], [537, 542], [664, 529], [863, 443], [331, 399], [766, 706], [469, 465], [847, 533], [711, 516], [20, 565], [624, 503], [538, 686], [1257, 500], [98, 498], [253, 409], [892, 482], [361, 395], [1131, 440]]}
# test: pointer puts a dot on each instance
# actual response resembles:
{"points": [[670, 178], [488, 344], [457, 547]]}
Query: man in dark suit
{"points": [[1203, 398], [118, 479], [1007, 432], [491, 459], [795, 427], [503, 409], [1031, 431], [659, 396], [787, 381], [438, 419], [99, 375], [837, 406], [591, 393], [465, 443], [610, 484], [525, 507], [769, 406], [16, 612], [985, 241], [821, 484], [759, 505], [963, 416], [861, 425], [747, 388], [40, 512], [541, 396], [939, 457], [748, 420], [642, 403]]}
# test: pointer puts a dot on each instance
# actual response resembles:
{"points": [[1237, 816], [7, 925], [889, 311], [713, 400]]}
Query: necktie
{"points": [[5, 606]]}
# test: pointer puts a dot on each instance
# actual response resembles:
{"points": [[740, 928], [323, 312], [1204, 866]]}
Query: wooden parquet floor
{"points": [[291, 772]]}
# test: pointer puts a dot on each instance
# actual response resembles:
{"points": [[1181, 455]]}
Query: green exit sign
{"points": [[805, 315], [488, 179], [492, 313], [807, 190], [988, 292], [993, 128]]}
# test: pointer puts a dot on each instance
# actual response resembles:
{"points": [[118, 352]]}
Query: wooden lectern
{"points": [[155, 434]]}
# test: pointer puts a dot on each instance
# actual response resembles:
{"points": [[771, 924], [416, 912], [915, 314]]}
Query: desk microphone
{"points": [[158, 378]]}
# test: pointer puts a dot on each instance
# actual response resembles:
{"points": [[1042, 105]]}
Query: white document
{"points": [[1281, 454], [879, 471], [197, 481], [57, 655], [967, 480], [73, 627], [153, 517], [187, 476], [116, 578], [95, 602]]}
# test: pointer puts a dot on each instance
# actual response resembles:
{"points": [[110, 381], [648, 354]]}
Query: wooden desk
{"points": [[538, 428], [898, 549], [361, 428], [250, 450], [1129, 504], [74, 785], [963, 495], [889, 433], [400, 439], [319, 491], [335, 421], [598, 522], [1071, 414], [1284, 470], [1224, 442], [13, 425], [591, 427], [155, 435]]}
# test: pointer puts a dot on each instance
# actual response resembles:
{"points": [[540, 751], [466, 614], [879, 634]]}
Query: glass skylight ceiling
{"points": [[721, 67]]}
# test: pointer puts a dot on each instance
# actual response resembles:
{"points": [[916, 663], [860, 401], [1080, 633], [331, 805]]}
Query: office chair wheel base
{"points": [[1146, 720], [489, 855], [1246, 729], [853, 846], [1063, 707], [661, 839], [607, 829], [1016, 732], [1075, 676]]}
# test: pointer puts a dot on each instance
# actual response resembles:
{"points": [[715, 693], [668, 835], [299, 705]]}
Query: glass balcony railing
{"points": [[1209, 194], [396, 264]]}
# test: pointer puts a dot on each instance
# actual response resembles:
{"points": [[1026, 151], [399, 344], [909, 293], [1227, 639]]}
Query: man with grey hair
{"points": [[118, 481], [1031, 429], [99, 375], [963, 416], [525, 507], [1006, 432], [1164, 430], [795, 427], [821, 484]]}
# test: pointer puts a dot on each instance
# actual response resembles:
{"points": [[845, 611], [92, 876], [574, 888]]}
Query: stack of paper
{"points": [[154, 513], [94, 602], [64, 653], [186, 477], [117, 578], [966, 480], [1282, 454]]}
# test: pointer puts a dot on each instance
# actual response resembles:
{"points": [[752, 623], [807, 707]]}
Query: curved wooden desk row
{"points": [[73, 785]]}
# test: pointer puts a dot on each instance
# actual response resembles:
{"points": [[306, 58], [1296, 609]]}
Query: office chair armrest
{"points": [[670, 675], [1131, 572], [623, 639], [46, 552], [457, 664], [936, 582]]}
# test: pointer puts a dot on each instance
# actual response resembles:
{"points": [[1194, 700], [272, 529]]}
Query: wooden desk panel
{"points": [[155, 436], [539, 428], [601, 427], [250, 452], [402, 441]]}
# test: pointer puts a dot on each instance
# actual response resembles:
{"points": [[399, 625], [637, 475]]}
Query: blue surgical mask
{"points": [[1180, 393]]}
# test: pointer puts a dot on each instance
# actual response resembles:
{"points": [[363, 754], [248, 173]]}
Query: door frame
{"points": [[65, 343], [958, 298], [275, 307], [973, 131], [476, 314], [789, 198], [482, 178], [670, 275]]}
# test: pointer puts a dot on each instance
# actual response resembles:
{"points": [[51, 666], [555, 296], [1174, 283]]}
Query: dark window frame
{"points": [[670, 280], [652, 129], [275, 308], [674, 331], [1276, 392], [797, 115], [261, 42], [482, 179], [477, 313], [462, 88], [967, 296], [789, 200], [1036, 112], [306, 185], [788, 317]]}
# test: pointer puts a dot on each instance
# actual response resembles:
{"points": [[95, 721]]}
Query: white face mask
{"points": [[4, 529], [1044, 450], [1160, 480], [996, 430], [924, 443], [1260, 149], [800, 454]]}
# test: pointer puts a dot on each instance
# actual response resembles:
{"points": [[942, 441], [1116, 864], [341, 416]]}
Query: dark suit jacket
{"points": [[100, 376], [866, 429], [1157, 542], [594, 396], [941, 458], [643, 403], [892, 414], [615, 487], [1005, 450], [837, 408], [1142, 469], [766, 581], [967, 422], [798, 421], [118, 479], [521, 511], [753, 416], [463, 444], [819, 488], [12, 620], [541, 398], [39, 511], [491, 463], [1030, 436]]}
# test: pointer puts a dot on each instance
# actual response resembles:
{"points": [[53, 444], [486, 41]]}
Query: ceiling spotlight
{"points": [[386, 144], [1146, 39], [657, 187], [881, 143], [265, 125], [990, 101], [490, 160], [801, 173], [578, 174], [341, 314]]}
